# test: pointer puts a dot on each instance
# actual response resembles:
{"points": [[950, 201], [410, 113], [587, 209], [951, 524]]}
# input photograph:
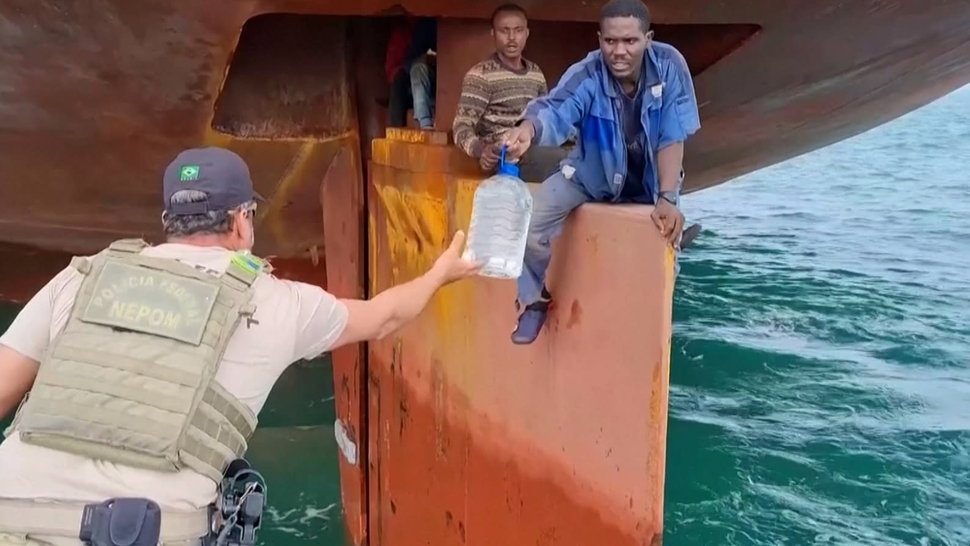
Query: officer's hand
{"points": [[669, 220], [450, 266], [518, 140], [490, 157]]}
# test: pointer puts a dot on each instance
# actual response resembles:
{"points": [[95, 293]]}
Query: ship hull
{"points": [[448, 423], [98, 97]]}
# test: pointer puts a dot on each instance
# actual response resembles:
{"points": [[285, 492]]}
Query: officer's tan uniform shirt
{"points": [[295, 321]]}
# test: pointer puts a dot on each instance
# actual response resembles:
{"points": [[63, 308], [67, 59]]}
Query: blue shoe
{"points": [[531, 320]]}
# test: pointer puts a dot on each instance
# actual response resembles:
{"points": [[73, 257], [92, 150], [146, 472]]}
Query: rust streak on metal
{"points": [[342, 204]]}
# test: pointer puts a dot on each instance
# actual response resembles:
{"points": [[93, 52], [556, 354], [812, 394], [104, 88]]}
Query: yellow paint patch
{"points": [[211, 137], [417, 229], [417, 232], [456, 308], [372, 255], [464, 200], [289, 179], [302, 153], [416, 136]]}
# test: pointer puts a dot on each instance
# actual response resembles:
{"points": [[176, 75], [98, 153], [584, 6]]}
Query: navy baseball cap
{"points": [[219, 173]]}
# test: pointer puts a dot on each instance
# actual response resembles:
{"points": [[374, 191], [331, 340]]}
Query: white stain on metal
{"points": [[347, 446]]}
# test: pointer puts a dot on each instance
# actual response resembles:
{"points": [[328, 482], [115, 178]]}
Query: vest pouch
{"points": [[121, 522]]}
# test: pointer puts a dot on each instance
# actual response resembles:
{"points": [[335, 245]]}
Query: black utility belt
{"points": [[138, 521]]}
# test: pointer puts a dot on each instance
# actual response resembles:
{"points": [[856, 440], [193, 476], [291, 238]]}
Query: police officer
{"points": [[147, 365]]}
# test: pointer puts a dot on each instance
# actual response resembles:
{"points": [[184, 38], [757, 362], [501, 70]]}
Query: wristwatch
{"points": [[671, 197]]}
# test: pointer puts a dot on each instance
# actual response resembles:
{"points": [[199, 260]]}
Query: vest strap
{"points": [[83, 265], [130, 246]]}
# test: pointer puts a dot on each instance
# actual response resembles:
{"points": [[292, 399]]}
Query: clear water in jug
{"points": [[501, 212]]}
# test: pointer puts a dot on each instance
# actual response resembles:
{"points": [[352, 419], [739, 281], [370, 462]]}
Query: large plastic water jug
{"points": [[499, 226]]}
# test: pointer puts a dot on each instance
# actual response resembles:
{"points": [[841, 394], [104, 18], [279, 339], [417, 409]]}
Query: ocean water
{"points": [[820, 382], [820, 377]]}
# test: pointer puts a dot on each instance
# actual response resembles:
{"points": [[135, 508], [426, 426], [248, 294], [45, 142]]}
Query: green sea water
{"points": [[820, 390]]}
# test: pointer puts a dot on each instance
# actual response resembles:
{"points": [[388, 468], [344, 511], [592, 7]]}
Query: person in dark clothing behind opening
{"points": [[632, 102], [411, 71]]}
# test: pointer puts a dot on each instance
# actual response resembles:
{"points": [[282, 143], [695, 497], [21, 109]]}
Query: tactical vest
{"points": [[130, 378]]}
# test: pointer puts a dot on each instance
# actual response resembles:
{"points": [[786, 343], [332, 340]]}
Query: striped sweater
{"points": [[493, 97]]}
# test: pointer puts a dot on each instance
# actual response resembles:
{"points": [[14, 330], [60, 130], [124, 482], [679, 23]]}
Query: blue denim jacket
{"points": [[586, 100]]}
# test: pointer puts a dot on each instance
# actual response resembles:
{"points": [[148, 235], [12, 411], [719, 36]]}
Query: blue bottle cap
{"points": [[510, 169]]}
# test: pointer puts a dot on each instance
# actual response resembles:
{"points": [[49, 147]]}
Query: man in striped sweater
{"points": [[496, 91]]}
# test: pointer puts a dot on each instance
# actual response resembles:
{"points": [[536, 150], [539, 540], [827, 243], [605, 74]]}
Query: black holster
{"points": [[121, 522], [242, 499]]}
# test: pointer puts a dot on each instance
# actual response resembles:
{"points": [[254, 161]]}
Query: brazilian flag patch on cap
{"points": [[188, 173]]}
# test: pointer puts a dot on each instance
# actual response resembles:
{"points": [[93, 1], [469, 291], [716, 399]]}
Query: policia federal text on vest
{"points": [[130, 378]]}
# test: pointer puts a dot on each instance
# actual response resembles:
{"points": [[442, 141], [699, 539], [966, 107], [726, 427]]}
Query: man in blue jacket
{"points": [[632, 106]]}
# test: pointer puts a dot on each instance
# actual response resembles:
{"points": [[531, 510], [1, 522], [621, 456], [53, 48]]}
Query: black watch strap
{"points": [[671, 197]]}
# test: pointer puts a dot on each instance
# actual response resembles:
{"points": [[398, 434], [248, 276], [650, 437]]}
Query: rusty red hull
{"points": [[476, 441]]}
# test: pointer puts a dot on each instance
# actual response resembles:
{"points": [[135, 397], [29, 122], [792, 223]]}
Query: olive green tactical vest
{"points": [[130, 378]]}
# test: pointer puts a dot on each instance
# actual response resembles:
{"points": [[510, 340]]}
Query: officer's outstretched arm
{"points": [[17, 373], [399, 305]]}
